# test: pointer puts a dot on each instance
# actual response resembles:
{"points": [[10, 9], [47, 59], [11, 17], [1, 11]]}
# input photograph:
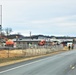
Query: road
{"points": [[60, 64]]}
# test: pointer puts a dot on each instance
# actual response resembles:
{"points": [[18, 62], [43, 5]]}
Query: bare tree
{"points": [[2, 34], [8, 31]]}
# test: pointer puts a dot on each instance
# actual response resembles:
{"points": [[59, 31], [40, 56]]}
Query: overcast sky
{"points": [[47, 17]]}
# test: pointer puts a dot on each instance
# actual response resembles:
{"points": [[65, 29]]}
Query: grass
{"points": [[11, 59]]}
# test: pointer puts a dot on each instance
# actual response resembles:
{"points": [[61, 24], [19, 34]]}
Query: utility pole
{"points": [[0, 19], [30, 34], [16, 41], [1, 24]]}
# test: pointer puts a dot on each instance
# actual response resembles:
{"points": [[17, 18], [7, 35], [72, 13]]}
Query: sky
{"points": [[46, 17]]}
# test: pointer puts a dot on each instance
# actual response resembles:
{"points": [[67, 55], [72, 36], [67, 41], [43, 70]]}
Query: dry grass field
{"points": [[26, 52], [12, 53]]}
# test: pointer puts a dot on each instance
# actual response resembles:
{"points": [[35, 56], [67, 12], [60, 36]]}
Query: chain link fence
{"points": [[11, 53]]}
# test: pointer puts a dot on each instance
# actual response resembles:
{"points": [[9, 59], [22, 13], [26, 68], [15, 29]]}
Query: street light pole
{"points": [[16, 41]]}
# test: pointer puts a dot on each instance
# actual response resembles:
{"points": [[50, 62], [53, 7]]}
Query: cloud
{"points": [[23, 32], [58, 20], [39, 16], [57, 26]]}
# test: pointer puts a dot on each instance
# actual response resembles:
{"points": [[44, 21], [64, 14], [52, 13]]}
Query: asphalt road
{"points": [[60, 64]]}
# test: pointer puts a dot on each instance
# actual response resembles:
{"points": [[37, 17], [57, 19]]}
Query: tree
{"points": [[2, 34], [8, 31]]}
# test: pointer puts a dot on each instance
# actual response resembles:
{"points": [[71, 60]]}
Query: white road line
{"points": [[24, 65], [53, 57]]}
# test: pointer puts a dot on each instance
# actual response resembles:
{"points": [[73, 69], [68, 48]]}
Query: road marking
{"points": [[26, 64], [53, 57], [73, 68]]}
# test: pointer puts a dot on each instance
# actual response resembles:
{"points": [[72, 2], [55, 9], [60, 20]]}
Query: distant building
{"points": [[25, 41]]}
